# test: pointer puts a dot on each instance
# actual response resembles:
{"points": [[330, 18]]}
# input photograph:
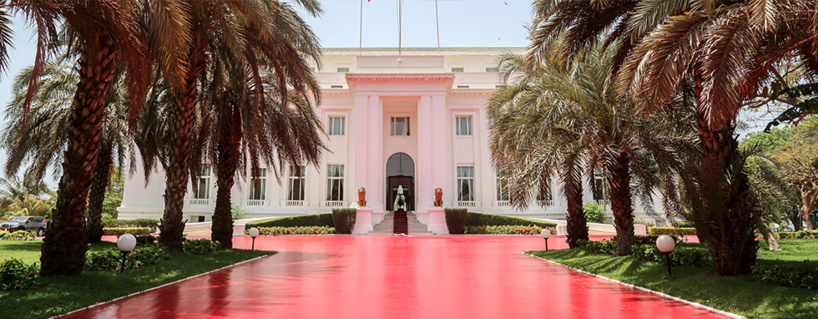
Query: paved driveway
{"points": [[396, 277]]}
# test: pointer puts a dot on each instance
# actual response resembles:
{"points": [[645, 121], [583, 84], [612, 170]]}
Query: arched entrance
{"points": [[400, 171]]}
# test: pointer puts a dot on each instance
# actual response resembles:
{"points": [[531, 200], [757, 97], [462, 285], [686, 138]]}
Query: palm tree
{"points": [[253, 33], [245, 132], [727, 50], [42, 141], [579, 108], [105, 33]]}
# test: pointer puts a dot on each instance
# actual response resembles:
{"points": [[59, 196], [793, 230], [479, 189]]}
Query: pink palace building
{"points": [[415, 119]]}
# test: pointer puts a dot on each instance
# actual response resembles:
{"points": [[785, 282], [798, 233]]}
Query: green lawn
{"points": [[743, 295], [61, 295]]}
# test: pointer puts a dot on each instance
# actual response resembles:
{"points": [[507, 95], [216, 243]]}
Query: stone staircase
{"points": [[387, 225]]}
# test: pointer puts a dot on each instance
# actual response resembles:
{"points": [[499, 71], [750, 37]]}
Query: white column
{"points": [[376, 165], [360, 143], [431, 166]]}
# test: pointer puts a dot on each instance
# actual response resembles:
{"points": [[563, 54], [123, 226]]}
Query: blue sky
{"points": [[463, 23]]}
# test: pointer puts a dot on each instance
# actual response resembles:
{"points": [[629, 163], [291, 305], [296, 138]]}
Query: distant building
{"points": [[417, 120]]}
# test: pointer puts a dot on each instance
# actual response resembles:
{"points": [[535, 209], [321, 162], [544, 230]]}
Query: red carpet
{"points": [[401, 223]]}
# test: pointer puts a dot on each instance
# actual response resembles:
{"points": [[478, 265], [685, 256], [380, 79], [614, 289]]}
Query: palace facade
{"points": [[416, 120]]}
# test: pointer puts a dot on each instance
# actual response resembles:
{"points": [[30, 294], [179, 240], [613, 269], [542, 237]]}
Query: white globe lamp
{"points": [[666, 244], [253, 234], [545, 233], [126, 244]]}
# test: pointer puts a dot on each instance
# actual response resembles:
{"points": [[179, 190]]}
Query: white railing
{"points": [[334, 203], [294, 203], [503, 203], [603, 202], [255, 202], [466, 204], [199, 201], [543, 202]]}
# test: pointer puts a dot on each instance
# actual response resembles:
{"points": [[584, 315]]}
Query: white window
{"points": [[458, 69], [204, 183], [463, 125], [335, 182], [295, 183], [462, 86], [337, 125], [258, 184], [343, 70], [502, 185], [465, 183], [400, 126], [492, 70]]}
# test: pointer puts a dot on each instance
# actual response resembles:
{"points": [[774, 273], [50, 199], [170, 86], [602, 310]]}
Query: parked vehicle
{"points": [[28, 223]]}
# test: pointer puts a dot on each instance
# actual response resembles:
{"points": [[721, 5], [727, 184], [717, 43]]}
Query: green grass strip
{"points": [[61, 295]]}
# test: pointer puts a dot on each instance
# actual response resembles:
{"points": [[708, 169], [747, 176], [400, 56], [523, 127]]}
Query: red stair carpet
{"points": [[401, 223]]}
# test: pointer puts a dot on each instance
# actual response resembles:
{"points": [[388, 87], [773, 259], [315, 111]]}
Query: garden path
{"points": [[465, 276]]}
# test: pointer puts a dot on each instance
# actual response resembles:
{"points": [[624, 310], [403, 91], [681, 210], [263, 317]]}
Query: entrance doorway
{"points": [[400, 171]]}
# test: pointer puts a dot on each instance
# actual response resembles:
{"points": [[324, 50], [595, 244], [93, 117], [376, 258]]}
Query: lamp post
{"points": [[545, 234], [253, 234], [666, 244], [126, 243]]}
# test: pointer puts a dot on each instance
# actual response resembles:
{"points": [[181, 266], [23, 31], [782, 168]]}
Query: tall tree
{"points": [[42, 141], [578, 107], [256, 33], [105, 33]]}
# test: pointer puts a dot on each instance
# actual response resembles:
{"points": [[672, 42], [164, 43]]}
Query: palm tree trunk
{"points": [[63, 250], [575, 219], [96, 196], [182, 120], [726, 218], [228, 148], [772, 243], [621, 205]]}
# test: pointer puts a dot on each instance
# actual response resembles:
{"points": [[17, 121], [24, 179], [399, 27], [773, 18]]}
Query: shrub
{"points": [[594, 212], [236, 212], [478, 219], [607, 247], [790, 276], [111, 259], [681, 256], [121, 231], [671, 231], [306, 230], [506, 230], [16, 275], [134, 223], [5, 235], [200, 246], [344, 219], [294, 221], [456, 220], [145, 240], [797, 234], [683, 224]]}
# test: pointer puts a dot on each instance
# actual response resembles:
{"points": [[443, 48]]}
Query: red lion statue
{"points": [[362, 197], [438, 197]]}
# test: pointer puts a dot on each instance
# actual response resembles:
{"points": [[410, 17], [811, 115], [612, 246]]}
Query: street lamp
{"points": [[545, 234], [126, 243], [254, 234], [666, 244]]}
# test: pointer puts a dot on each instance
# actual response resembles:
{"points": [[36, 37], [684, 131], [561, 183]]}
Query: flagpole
{"points": [[400, 22], [361, 31], [437, 24]]}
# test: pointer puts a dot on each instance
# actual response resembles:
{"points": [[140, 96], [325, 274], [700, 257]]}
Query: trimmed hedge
{"points": [[121, 231], [306, 230], [644, 249], [134, 223], [321, 220], [20, 234], [344, 219], [456, 220], [671, 231], [797, 234], [507, 230], [478, 219]]}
